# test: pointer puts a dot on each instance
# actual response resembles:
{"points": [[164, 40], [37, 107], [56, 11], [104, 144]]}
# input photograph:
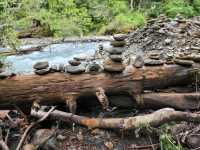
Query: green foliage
{"points": [[174, 7], [166, 140], [196, 5], [125, 23], [82, 17]]}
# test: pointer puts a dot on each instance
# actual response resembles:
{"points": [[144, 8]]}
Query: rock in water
{"points": [[152, 62], [41, 65], [74, 62], [111, 66], [120, 37], [115, 50], [118, 43], [186, 63], [116, 58], [75, 69], [42, 71]]}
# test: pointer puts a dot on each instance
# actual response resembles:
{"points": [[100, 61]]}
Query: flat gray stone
{"points": [[115, 50], [111, 66], [74, 62], [186, 63], [152, 62], [120, 37], [118, 43], [41, 65], [116, 58], [75, 69], [42, 71]]}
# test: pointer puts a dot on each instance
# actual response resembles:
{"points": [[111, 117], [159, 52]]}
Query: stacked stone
{"points": [[41, 68], [113, 63], [75, 66]]}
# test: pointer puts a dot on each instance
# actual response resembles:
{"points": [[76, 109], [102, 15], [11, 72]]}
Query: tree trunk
{"points": [[58, 87]]}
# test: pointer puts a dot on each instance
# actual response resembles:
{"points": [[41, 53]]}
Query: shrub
{"points": [[174, 7], [124, 23]]}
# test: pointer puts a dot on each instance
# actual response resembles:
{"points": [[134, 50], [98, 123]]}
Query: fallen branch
{"points": [[31, 126], [3, 145], [154, 119]]}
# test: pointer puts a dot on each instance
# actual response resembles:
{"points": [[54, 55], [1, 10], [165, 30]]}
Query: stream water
{"points": [[55, 54]]}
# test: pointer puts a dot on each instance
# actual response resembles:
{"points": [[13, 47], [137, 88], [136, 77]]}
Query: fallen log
{"points": [[60, 87], [154, 119], [180, 101]]}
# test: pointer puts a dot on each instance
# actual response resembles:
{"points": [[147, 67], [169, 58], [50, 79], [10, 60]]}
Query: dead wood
{"points": [[154, 119], [31, 126], [181, 101], [58, 87]]}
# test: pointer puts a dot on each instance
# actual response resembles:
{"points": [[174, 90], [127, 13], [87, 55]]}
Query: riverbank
{"points": [[28, 45]]}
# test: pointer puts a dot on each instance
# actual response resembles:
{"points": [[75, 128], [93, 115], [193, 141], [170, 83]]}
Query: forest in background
{"points": [[62, 18]]}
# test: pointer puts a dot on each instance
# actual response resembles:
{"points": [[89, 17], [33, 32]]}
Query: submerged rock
{"points": [[42, 71], [152, 62], [41, 65], [116, 58], [120, 37], [111, 66], [75, 69], [118, 43]]}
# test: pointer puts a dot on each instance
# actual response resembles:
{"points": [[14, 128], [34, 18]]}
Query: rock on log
{"points": [[58, 87]]}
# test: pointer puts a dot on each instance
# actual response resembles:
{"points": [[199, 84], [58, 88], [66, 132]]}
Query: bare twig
{"points": [[3, 145], [31, 126]]}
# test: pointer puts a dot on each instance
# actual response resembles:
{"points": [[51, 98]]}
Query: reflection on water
{"points": [[54, 54]]}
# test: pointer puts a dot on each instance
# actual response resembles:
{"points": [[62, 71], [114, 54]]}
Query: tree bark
{"points": [[58, 87]]}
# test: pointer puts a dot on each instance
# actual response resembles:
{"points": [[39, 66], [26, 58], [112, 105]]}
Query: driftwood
{"points": [[154, 119], [60, 87]]}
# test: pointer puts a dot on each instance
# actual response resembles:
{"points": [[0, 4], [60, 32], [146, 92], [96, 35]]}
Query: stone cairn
{"points": [[41, 68], [114, 61]]}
